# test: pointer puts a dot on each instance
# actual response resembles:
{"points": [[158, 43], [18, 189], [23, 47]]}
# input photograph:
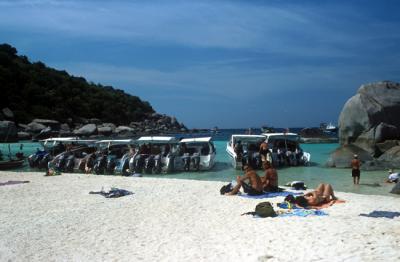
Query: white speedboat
{"points": [[286, 150], [249, 147], [70, 159], [112, 156], [154, 154], [195, 154]]}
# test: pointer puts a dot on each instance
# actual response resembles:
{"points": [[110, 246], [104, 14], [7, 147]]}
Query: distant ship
{"points": [[214, 130], [330, 128]]}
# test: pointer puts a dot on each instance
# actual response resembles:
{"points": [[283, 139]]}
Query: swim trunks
{"points": [[250, 190], [355, 172]]}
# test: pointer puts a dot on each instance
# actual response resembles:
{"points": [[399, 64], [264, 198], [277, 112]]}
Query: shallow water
{"points": [[371, 181]]}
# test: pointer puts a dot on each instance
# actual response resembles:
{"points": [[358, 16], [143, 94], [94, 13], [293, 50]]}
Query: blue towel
{"points": [[387, 214], [271, 194], [303, 213]]}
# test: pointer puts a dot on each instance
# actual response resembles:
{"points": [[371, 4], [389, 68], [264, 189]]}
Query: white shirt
{"points": [[394, 176]]}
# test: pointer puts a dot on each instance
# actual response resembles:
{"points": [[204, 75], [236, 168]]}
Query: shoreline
{"points": [[55, 218]]}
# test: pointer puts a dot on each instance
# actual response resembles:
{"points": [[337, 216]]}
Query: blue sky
{"points": [[217, 63]]}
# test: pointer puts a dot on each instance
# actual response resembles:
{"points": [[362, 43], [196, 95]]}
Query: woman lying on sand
{"points": [[323, 194]]}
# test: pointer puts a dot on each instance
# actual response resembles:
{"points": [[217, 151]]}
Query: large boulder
{"points": [[7, 113], [35, 127], [53, 124], [370, 122], [86, 130], [342, 156], [371, 116], [8, 131]]}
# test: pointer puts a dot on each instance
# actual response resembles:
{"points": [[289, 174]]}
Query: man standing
{"points": [[355, 170]]}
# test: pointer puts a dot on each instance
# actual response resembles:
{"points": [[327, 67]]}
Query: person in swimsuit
{"points": [[254, 187], [355, 169], [321, 195], [270, 180]]}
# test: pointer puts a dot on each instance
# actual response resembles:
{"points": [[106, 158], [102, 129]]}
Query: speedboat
{"points": [[51, 147], [112, 156], [155, 154], [285, 149], [195, 154], [70, 159], [249, 147]]}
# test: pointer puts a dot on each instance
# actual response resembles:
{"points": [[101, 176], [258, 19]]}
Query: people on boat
{"points": [[321, 195], [144, 149], [270, 179], [254, 187], [238, 148], [393, 177], [355, 169], [264, 152]]}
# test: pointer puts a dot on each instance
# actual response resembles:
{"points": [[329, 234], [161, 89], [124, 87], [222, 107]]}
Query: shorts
{"points": [[250, 190], [355, 172]]}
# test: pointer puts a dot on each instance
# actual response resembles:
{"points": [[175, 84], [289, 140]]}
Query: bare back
{"points": [[355, 164], [255, 180]]}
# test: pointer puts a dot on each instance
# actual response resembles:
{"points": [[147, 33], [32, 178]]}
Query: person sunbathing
{"points": [[254, 188], [321, 195]]}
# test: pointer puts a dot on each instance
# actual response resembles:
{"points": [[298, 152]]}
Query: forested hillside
{"points": [[33, 90]]}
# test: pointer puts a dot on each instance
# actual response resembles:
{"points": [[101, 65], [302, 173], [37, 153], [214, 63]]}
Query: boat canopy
{"points": [[248, 138], [196, 139], [157, 139], [282, 136], [116, 141], [67, 140]]}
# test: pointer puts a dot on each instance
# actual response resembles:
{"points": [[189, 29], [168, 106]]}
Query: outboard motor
{"points": [[257, 160], [60, 163], [136, 164], [70, 163], [111, 163], [157, 164], [34, 159], [123, 166], [196, 161], [100, 164], [149, 164], [186, 161], [43, 163]]}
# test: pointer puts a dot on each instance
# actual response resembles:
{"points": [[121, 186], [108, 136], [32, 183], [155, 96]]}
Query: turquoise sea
{"points": [[372, 182]]}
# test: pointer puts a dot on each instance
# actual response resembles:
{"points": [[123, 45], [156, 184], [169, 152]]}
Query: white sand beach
{"points": [[56, 219]]}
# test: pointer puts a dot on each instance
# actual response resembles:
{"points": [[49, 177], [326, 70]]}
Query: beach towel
{"points": [[113, 193], [300, 212], [271, 194], [386, 214], [11, 182]]}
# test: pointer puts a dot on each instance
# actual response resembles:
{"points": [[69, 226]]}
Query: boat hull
{"points": [[11, 164]]}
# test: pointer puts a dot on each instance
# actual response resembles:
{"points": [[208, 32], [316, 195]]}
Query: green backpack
{"points": [[265, 209]]}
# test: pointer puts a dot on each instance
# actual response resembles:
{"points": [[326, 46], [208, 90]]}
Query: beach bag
{"points": [[297, 185], [265, 209], [226, 189]]}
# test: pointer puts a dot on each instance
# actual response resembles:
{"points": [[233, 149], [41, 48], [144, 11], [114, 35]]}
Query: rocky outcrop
{"points": [[8, 131], [86, 130], [396, 189], [7, 113], [370, 121], [154, 124]]}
